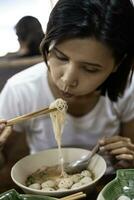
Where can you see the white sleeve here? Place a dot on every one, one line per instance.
(126, 104)
(9, 104)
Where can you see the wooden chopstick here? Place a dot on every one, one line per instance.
(7, 131)
(29, 116)
(77, 195)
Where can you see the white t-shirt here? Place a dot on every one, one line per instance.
(29, 91)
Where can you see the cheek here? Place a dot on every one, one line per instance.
(92, 82)
(55, 69)
(89, 85)
(55, 74)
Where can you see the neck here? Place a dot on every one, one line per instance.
(23, 49)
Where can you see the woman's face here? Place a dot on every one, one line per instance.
(79, 66)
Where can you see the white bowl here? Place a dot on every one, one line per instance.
(29, 164)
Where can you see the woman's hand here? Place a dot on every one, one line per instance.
(121, 148)
(5, 131)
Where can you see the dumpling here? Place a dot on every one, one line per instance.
(76, 185)
(86, 180)
(49, 183)
(86, 173)
(123, 197)
(36, 186)
(76, 178)
(65, 183)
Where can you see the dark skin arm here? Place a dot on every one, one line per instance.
(122, 146)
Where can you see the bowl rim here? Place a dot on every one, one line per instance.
(58, 192)
(37, 196)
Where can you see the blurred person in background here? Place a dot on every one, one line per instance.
(30, 34)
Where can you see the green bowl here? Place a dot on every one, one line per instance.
(36, 197)
(123, 184)
(13, 195)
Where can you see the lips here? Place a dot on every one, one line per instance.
(67, 95)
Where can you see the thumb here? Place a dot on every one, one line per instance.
(5, 134)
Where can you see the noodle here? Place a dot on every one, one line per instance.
(58, 121)
(47, 179)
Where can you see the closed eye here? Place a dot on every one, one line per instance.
(91, 69)
(59, 55)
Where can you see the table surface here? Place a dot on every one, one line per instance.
(92, 195)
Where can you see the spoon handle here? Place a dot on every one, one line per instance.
(93, 151)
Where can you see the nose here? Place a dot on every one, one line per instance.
(70, 77)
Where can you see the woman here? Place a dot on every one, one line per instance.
(88, 52)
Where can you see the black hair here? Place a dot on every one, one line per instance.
(29, 30)
(109, 21)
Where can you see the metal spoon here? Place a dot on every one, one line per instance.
(81, 164)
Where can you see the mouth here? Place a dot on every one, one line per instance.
(67, 94)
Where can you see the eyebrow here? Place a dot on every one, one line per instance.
(87, 63)
(60, 52)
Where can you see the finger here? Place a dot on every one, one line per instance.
(6, 132)
(3, 121)
(128, 157)
(126, 148)
(118, 144)
(123, 150)
(115, 145)
(108, 140)
(131, 147)
(2, 126)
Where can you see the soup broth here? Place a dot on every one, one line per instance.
(49, 179)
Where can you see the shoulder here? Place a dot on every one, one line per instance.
(125, 104)
(129, 90)
(29, 75)
(23, 91)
